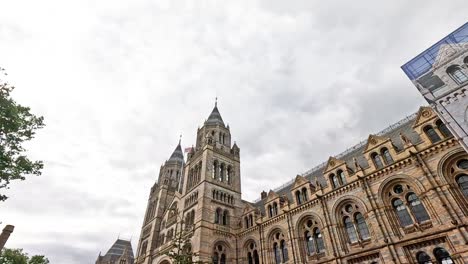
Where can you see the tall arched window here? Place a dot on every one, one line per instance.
(298, 197)
(222, 171)
(423, 258)
(442, 256)
(215, 169)
(304, 195)
(229, 174)
(403, 197)
(334, 181)
(251, 220)
(246, 221)
(431, 134)
(219, 254)
(443, 129)
(387, 156)
(225, 217)
(354, 223)
(218, 216)
(313, 241)
(417, 208)
(280, 249)
(275, 209)
(377, 161)
(402, 213)
(342, 177)
(457, 74)
(270, 211)
(252, 253)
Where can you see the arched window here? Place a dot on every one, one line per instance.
(251, 220)
(417, 208)
(215, 169)
(252, 254)
(402, 213)
(443, 129)
(362, 226)
(275, 209)
(457, 74)
(143, 248)
(284, 251)
(342, 177)
(270, 211)
(319, 240)
(229, 174)
(225, 217)
(298, 197)
(354, 223)
(219, 255)
(280, 249)
(377, 161)
(304, 195)
(423, 258)
(246, 220)
(334, 181)
(313, 241)
(462, 181)
(218, 216)
(442, 256)
(222, 171)
(387, 156)
(431, 134)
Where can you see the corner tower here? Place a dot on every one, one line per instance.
(213, 170)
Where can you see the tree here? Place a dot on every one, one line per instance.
(17, 125)
(17, 256)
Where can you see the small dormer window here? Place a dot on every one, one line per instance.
(299, 197)
(334, 181)
(341, 176)
(431, 134)
(377, 161)
(387, 156)
(456, 73)
(443, 129)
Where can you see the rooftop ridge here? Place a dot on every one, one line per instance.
(347, 151)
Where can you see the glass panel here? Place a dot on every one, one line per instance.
(249, 257)
(362, 226)
(350, 229)
(463, 164)
(319, 240)
(417, 207)
(443, 129)
(215, 258)
(457, 75)
(335, 181)
(342, 177)
(310, 245)
(277, 253)
(256, 258)
(463, 183)
(432, 134)
(284, 251)
(223, 259)
(403, 215)
(387, 157)
(377, 161)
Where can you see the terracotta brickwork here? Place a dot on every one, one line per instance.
(399, 198)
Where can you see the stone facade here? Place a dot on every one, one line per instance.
(399, 198)
(441, 75)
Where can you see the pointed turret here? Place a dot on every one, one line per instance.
(215, 117)
(177, 155)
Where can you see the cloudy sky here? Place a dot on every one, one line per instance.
(118, 81)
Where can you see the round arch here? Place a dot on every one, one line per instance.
(306, 215)
(342, 201)
(388, 182)
(445, 162)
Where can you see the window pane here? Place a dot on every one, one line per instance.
(362, 226)
(284, 251)
(403, 215)
(443, 129)
(387, 157)
(463, 183)
(310, 245)
(319, 240)
(277, 253)
(432, 134)
(463, 164)
(377, 161)
(417, 207)
(352, 235)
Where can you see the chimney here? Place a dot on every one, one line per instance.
(263, 195)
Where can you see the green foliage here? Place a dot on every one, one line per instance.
(17, 125)
(17, 256)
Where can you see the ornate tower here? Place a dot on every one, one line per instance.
(212, 175)
(160, 198)
(441, 75)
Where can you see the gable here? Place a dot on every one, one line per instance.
(445, 54)
(374, 141)
(299, 181)
(425, 113)
(333, 163)
(271, 195)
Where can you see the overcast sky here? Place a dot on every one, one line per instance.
(118, 81)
